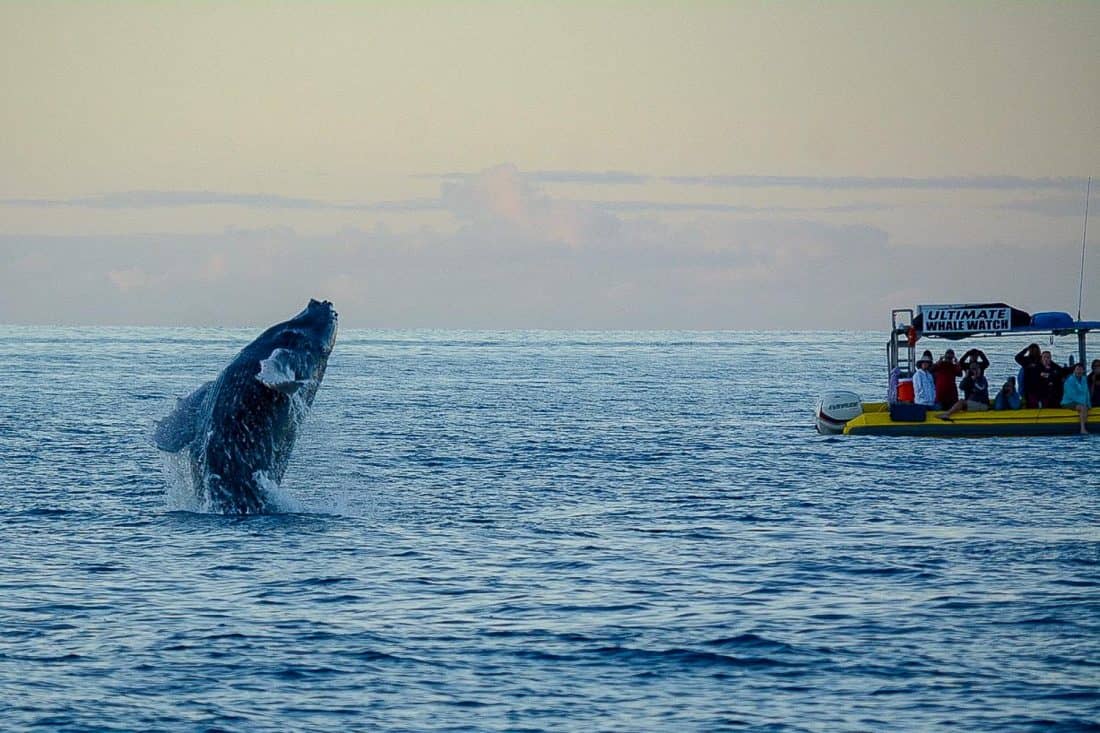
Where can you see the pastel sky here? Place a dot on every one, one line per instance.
(705, 165)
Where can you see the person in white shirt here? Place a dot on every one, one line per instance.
(924, 384)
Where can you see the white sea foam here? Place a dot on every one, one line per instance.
(281, 501)
(181, 494)
(299, 410)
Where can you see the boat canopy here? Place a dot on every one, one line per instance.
(959, 321)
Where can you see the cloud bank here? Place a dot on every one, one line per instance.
(519, 257)
(176, 199)
(881, 183)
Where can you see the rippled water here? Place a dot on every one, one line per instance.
(539, 531)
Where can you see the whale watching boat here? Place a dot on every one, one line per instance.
(845, 412)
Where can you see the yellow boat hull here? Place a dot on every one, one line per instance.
(875, 420)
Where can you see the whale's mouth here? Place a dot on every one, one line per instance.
(328, 336)
(319, 318)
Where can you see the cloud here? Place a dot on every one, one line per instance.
(884, 183)
(525, 186)
(502, 201)
(761, 273)
(130, 278)
(1049, 206)
(993, 183)
(519, 257)
(599, 177)
(520, 260)
(175, 199)
(680, 206)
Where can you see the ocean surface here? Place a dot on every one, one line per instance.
(538, 531)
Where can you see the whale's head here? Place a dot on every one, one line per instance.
(318, 323)
(295, 352)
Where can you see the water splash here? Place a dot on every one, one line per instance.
(181, 494)
(279, 499)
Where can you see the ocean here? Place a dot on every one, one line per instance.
(538, 531)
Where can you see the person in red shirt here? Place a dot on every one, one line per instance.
(945, 372)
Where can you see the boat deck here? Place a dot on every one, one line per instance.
(875, 420)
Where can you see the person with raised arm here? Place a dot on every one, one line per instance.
(975, 389)
(1030, 361)
(974, 356)
(945, 372)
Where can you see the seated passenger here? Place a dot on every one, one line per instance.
(945, 372)
(1094, 383)
(975, 392)
(1076, 395)
(1007, 398)
(924, 384)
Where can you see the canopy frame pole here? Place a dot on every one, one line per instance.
(1084, 239)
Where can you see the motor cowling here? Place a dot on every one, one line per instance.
(835, 409)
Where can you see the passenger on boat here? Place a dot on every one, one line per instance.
(1094, 383)
(1049, 379)
(1076, 394)
(924, 384)
(974, 356)
(975, 391)
(1030, 361)
(1008, 398)
(945, 372)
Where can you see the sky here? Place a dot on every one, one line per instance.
(500, 165)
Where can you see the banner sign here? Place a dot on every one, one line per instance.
(973, 318)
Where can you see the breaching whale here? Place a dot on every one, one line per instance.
(238, 430)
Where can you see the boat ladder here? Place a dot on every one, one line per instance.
(900, 352)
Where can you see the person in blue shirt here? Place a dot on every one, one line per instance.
(1075, 394)
(1008, 398)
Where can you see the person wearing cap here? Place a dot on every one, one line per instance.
(945, 372)
(924, 384)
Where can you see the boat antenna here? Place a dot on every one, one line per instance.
(1084, 238)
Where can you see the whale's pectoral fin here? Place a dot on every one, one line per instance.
(176, 431)
(277, 372)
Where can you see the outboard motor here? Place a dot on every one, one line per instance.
(835, 409)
